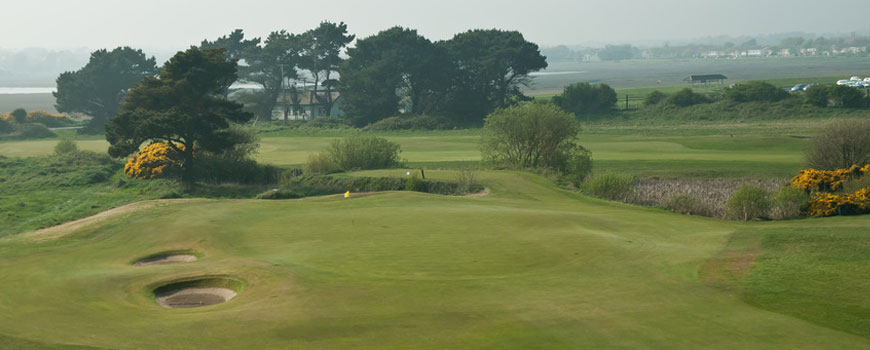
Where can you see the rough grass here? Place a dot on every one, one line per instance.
(711, 194)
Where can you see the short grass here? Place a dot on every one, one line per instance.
(760, 149)
(529, 266)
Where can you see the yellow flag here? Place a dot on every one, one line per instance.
(347, 194)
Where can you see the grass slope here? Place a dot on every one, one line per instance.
(527, 267)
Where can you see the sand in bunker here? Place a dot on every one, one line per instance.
(195, 297)
(166, 259)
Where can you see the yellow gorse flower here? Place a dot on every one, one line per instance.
(822, 182)
(154, 161)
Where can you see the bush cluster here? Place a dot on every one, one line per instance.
(418, 122)
(610, 186)
(585, 98)
(840, 145)
(355, 153)
(756, 91)
(748, 202)
(535, 136)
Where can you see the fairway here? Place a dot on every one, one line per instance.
(641, 152)
(529, 266)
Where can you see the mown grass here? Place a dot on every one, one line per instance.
(529, 266)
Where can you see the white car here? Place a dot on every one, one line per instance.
(842, 82)
(856, 78)
(866, 80)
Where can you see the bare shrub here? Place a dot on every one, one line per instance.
(789, 202)
(840, 145)
(465, 180)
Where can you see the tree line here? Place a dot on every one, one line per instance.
(394, 72)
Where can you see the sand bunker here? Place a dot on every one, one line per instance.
(163, 259)
(195, 297)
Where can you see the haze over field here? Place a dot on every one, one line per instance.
(165, 24)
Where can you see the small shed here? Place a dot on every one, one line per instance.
(706, 78)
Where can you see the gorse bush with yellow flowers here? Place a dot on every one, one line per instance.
(822, 185)
(157, 160)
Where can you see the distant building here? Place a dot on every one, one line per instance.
(707, 78)
(785, 52)
(308, 105)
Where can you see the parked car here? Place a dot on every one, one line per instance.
(856, 78)
(798, 87)
(809, 86)
(842, 82)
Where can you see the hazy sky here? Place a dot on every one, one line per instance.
(176, 24)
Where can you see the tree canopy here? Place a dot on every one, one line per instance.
(491, 66)
(584, 98)
(99, 87)
(182, 106)
(394, 71)
(321, 57)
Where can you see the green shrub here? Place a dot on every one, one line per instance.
(49, 119)
(278, 194)
(214, 169)
(755, 91)
(686, 97)
(610, 186)
(414, 183)
(65, 146)
(6, 126)
(530, 136)
(854, 184)
(789, 202)
(578, 167)
(748, 202)
(418, 122)
(847, 96)
(465, 180)
(585, 98)
(818, 95)
(31, 131)
(364, 152)
(320, 163)
(654, 98)
(19, 115)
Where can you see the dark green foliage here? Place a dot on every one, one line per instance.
(364, 152)
(654, 98)
(28, 131)
(686, 97)
(217, 169)
(5, 126)
(578, 165)
(319, 185)
(847, 96)
(755, 91)
(530, 136)
(321, 57)
(181, 106)
(99, 87)
(234, 46)
(19, 115)
(268, 66)
(584, 98)
(748, 202)
(392, 72)
(419, 122)
(818, 95)
(320, 163)
(65, 146)
(414, 183)
(609, 186)
(617, 53)
(840, 145)
(275, 194)
(489, 67)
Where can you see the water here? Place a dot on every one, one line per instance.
(27, 90)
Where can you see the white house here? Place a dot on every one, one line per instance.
(307, 106)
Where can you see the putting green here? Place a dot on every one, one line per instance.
(528, 266)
